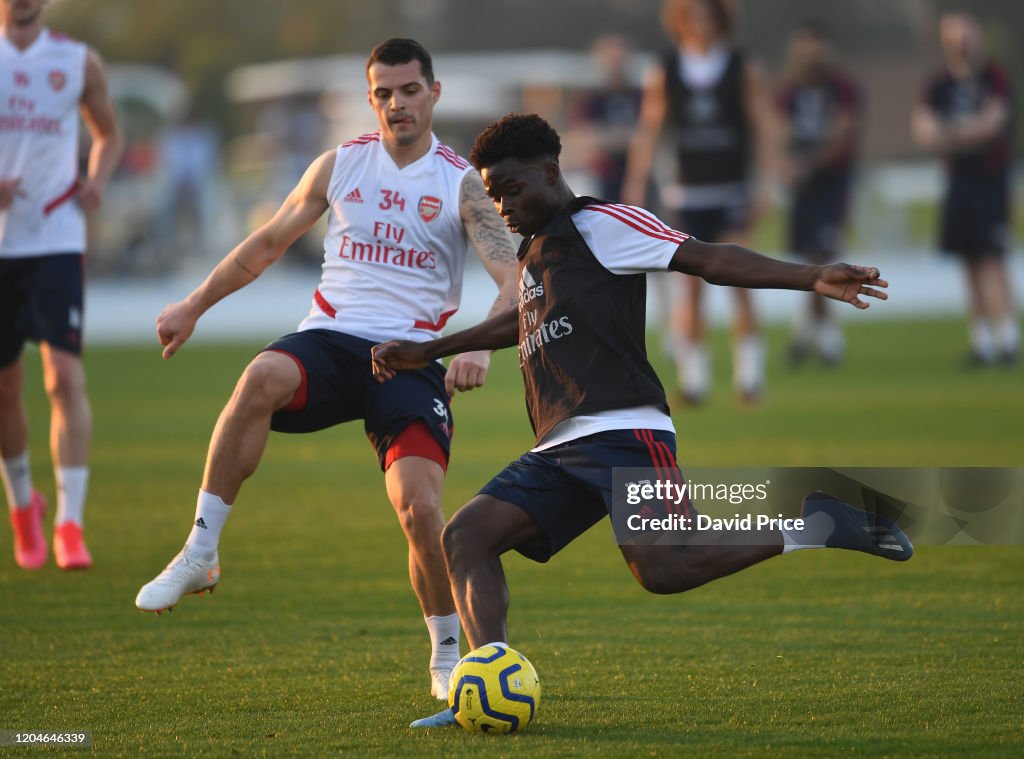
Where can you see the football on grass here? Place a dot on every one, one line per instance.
(494, 690)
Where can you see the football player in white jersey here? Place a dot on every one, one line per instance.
(403, 211)
(46, 81)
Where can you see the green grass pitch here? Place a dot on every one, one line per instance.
(313, 643)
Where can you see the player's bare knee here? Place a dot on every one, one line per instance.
(265, 386)
(64, 382)
(656, 581)
(662, 577)
(460, 539)
(421, 520)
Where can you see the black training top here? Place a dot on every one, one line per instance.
(952, 98)
(581, 329)
(712, 126)
(811, 109)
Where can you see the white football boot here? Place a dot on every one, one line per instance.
(439, 682)
(187, 573)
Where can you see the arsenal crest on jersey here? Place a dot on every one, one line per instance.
(429, 208)
(57, 80)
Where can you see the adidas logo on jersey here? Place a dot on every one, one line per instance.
(529, 288)
(354, 197)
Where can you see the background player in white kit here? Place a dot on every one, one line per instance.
(46, 80)
(402, 208)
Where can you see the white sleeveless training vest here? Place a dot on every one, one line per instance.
(40, 91)
(395, 246)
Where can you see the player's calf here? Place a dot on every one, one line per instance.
(668, 569)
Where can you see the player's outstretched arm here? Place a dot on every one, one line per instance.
(306, 203)
(494, 247)
(733, 265)
(501, 331)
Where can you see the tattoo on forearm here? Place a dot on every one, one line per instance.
(502, 304)
(485, 228)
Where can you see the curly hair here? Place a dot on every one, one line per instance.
(517, 135)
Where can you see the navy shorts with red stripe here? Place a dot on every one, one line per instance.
(567, 489)
(41, 299)
(338, 386)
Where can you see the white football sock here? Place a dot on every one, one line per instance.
(211, 513)
(817, 529)
(1007, 334)
(982, 340)
(17, 479)
(803, 328)
(72, 482)
(748, 364)
(831, 344)
(444, 640)
(693, 367)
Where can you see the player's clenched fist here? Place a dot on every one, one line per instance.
(467, 371)
(174, 326)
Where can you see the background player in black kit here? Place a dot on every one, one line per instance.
(593, 399)
(820, 109)
(710, 100)
(965, 115)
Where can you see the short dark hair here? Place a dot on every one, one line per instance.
(399, 50)
(518, 135)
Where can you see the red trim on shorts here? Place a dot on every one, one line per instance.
(298, 401)
(326, 307)
(416, 440)
(673, 469)
(439, 325)
(665, 467)
(63, 198)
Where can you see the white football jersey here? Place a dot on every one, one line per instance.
(40, 90)
(395, 246)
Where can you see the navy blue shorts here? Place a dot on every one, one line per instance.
(976, 217)
(816, 217)
(41, 300)
(567, 489)
(338, 386)
(712, 224)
